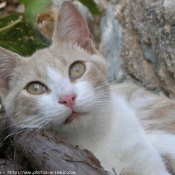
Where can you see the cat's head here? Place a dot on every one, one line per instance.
(62, 86)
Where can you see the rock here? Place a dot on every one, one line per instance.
(111, 43)
(134, 49)
(155, 20)
(147, 52)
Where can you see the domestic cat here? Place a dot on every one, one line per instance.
(64, 88)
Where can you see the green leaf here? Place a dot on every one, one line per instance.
(20, 38)
(91, 5)
(34, 7)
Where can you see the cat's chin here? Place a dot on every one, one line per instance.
(72, 117)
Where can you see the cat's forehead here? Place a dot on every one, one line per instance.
(53, 74)
(60, 56)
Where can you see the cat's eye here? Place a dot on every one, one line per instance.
(36, 88)
(76, 70)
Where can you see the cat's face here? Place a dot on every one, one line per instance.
(62, 86)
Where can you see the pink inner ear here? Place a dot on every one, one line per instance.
(71, 26)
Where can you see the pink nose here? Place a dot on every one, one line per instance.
(68, 100)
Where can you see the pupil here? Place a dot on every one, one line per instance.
(36, 87)
(76, 68)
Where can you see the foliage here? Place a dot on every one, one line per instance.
(17, 31)
(34, 7)
(18, 36)
(90, 4)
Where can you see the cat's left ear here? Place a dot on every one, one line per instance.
(72, 27)
(8, 62)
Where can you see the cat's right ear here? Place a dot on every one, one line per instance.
(71, 27)
(8, 62)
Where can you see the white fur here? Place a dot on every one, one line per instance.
(138, 156)
(165, 144)
(113, 134)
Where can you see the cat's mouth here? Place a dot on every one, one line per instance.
(72, 117)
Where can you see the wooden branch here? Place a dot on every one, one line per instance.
(47, 152)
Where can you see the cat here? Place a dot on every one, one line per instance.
(64, 88)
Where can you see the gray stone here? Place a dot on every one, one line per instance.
(111, 43)
(148, 52)
(156, 21)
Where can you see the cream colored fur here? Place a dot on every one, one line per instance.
(126, 127)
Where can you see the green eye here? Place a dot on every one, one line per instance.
(36, 88)
(76, 70)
